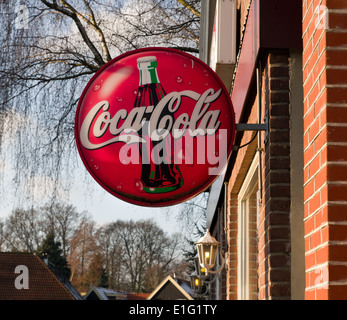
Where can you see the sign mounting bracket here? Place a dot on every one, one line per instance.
(256, 127)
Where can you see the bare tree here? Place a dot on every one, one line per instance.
(112, 251)
(83, 249)
(23, 230)
(63, 220)
(49, 50)
(143, 255)
(191, 214)
(2, 235)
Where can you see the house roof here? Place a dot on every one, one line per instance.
(170, 289)
(137, 296)
(42, 283)
(99, 293)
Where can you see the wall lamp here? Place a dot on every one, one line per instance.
(198, 278)
(207, 248)
(204, 262)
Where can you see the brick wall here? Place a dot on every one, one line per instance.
(325, 147)
(231, 289)
(269, 254)
(274, 218)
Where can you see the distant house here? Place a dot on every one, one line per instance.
(98, 293)
(24, 276)
(137, 296)
(171, 289)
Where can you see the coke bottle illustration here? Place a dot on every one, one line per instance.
(157, 176)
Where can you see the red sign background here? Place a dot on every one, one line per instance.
(198, 158)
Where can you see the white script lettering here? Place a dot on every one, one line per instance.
(123, 126)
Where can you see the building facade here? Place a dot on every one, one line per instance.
(280, 209)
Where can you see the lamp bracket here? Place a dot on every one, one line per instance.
(223, 264)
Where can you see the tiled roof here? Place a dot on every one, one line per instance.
(104, 294)
(137, 296)
(42, 283)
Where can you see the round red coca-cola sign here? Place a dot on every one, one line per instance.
(155, 126)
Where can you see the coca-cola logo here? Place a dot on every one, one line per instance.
(155, 127)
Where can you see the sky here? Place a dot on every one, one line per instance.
(105, 207)
(87, 195)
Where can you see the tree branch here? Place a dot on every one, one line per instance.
(72, 13)
(189, 7)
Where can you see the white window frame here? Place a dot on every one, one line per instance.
(248, 185)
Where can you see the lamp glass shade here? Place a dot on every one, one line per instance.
(201, 271)
(207, 247)
(195, 282)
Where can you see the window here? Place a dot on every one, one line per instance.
(248, 211)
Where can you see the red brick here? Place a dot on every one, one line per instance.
(321, 178)
(322, 293)
(321, 218)
(310, 294)
(309, 189)
(318, 36)
(314, 165)
(314, 129)
(336, 4)
(307, 244)
(337, 153)
(318, 276)
(309, 118)
(336, 76)
(325, 234)
(320, 65)
(314, 93)
(337, 173)
(336, 114)
(307, 18)
(310, 225)
(337, 272)
(337, 292)
(336, 57)
(324, 194)
(279, 191)
(324, 154)
(337, 134)
(337, 94)
(279, 71)
(338, 252)
(321, 101)
(322, 254)
(338, 232)
(315, 239)
(337, 192)
(310, 260)
(338, 20)
(321, 139)
(337, 212)
(307, 209)
(336, 39)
